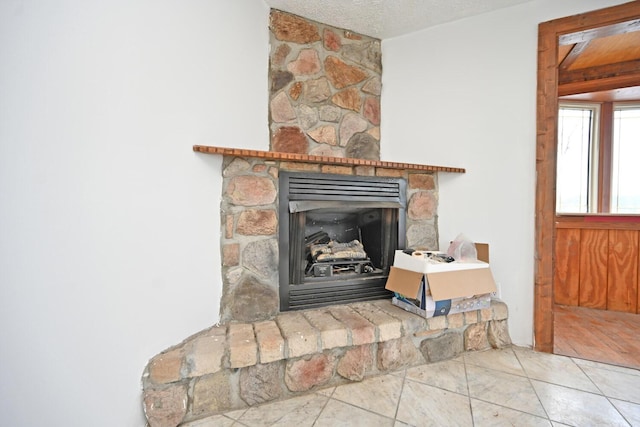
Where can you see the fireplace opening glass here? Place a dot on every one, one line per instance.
(337, 238)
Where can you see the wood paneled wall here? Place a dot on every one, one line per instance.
(597, 265)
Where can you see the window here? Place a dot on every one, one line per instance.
(576, 182)
(625, 168)
(598, 172)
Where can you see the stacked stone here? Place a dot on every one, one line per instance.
(422, 209)
(325, 86)
(250, 255)
(245, 364)
(249, 241)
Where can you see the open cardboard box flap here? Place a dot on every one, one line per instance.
(462, 283)
(404, 282)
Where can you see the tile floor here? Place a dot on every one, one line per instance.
(509, 387)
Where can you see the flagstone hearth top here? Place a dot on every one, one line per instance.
(305, 158)
(236, 366)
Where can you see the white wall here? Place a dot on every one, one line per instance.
(464, 94)
(109, 223)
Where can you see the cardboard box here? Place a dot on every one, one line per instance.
(435, 288)
(442, 308)
(483, 252)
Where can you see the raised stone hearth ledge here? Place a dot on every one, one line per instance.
(239, 365)
(304, 158)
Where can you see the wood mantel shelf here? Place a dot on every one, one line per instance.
(304, 158)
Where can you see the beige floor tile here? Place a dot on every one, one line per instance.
(504, 389)
(514, 386)
(554, 369)
(617, 384)
(215, 421)
(630, 411)
(448, 375)
(575, 407)
(338, 413)
(298, 411)
(490, 415)
(326, 391)
(401, 373)
(500, 360)
(378, 394)
(423, 405)
(606, 366)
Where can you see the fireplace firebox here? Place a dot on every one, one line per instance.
(338, 234)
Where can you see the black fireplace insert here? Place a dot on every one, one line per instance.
(338, 234)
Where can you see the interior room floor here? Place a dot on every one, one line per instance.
(599, 335)
(509, 387)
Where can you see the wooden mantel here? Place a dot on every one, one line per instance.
(304, 158)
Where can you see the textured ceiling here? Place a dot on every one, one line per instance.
(388, 18)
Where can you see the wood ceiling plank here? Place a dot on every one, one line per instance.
(563, 51)
(609, 50)
(573, 55)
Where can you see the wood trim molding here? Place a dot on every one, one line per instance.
(604, 161)
(599, 222)
(604, 77)
(547, 118)
(547, 121)
(304, 158)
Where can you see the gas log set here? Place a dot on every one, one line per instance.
(326, 257)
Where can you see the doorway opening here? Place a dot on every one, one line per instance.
(605, 274)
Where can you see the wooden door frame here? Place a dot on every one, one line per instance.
(547, 123)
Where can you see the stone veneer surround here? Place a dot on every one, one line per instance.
(325, 85)
(250, 228)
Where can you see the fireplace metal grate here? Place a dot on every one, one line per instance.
(307, 198)
(303, 297)
(360, 189)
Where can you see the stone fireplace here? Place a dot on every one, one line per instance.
(291, 321)
(324, 116)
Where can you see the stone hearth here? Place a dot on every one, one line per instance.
(258, 354)
(238, 365)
